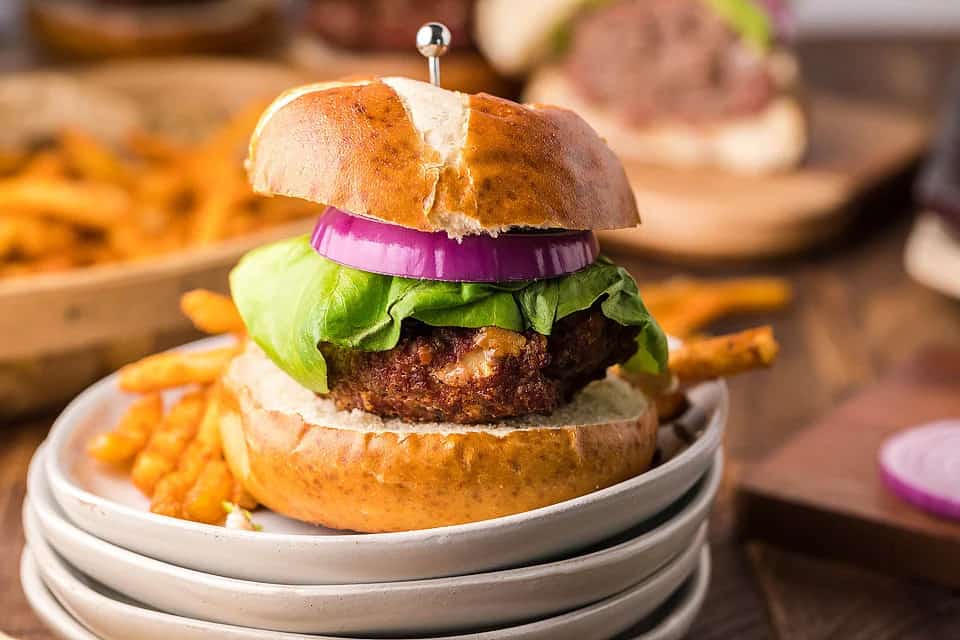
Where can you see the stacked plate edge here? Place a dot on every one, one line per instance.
(593, 567)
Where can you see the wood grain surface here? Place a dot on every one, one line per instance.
(705, 213)
(826, 479)
(856, 316)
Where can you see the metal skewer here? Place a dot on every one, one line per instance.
(433, 40)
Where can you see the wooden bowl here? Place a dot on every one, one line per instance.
(58, 332)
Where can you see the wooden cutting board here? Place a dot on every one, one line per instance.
(706, 213)
(821, 492)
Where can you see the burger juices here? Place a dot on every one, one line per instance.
(437, 351)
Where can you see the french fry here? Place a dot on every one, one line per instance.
(86, 156)
(168, 441)
(216, 205)
(723, 356)
(32, 238)
(86, 204)
(154, 196)
(211, 312)
(48, 163)
(11, 160)
(671, 404)
(204, 501)
(175, 369)
(131, 434)
(241, 497)
(168, 497)
(684, 306)
(155, 148)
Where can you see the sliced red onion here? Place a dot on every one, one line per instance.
(379, 247)
(922, 466)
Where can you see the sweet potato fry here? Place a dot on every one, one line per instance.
(87, 204)
(168, 441)
(211, 312)
(48, 163)
(131, 434)
(92, 160)
(204, 501)
(175, 369)
(11, 160)
(32, 237)
(241, 497)
(724, 355)
(167, 499)
(171, 490)
(156, 195)
(156, 148)
(215, 206)
(684, 306)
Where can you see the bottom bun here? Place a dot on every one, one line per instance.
(301, 457)
(771, 140)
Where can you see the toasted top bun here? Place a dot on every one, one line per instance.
(300, 456)
(518, 36)
(416, 155)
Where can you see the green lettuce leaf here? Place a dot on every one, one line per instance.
(292, 299)
(748, 19)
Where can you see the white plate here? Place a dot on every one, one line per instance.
(671, 622)
(111, 616)
(109, 507)
(45, 605)
(442, 605)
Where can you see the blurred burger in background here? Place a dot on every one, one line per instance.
(672, 82)
(113, 28)
(372, 37)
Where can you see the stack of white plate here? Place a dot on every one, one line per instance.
(629, 561)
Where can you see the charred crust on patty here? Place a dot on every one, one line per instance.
(472, 376)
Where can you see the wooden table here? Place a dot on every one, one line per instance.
(856, 314)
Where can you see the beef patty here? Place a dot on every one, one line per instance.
(387, 25)
(649, 59)
(450, 374)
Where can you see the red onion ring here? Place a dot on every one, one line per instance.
(922, 466)
(389, 249)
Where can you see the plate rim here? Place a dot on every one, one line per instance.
(677, 621)
(697, 511)
(61, 484)
(55, 569)
(45, 605)
(37, 536)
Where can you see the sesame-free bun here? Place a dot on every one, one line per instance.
(416, 155)
(773, 139)
(301, 457)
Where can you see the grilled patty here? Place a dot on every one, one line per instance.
(387, 25)
(450, 374)
(648, 59)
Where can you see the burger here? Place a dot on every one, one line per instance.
(359, 37)
(672, 82)
(437, 351)
(103, 28)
